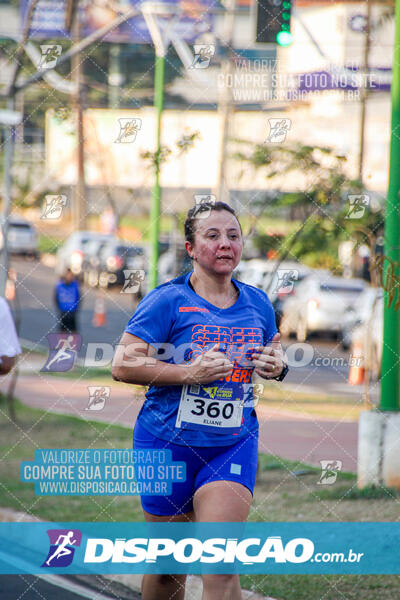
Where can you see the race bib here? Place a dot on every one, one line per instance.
(202, 407)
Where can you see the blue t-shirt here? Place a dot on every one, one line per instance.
(181, 325)
(67, 295)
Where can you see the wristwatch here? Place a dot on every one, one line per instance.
(282, 376)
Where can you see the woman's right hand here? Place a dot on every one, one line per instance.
(208, 367)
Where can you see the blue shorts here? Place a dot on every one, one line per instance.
(221, 463)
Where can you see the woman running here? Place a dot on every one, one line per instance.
(211, 332)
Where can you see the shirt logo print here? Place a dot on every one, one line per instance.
(238, 340)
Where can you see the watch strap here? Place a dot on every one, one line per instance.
(282, 376)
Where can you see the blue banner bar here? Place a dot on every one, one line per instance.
(247, 548)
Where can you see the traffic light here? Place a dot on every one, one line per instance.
(273, 22)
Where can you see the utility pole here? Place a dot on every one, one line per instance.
(378, 439)
(80, 190)
(159, 78)
(161, 40)
(115, 77)
(390, 380)
(225, 101)
(364, 90)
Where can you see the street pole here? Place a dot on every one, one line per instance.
(7, 200)
(159, 76)
(364, 91)
(80, 192)
(115, 77)
(161, 39)
(225, 107)
(390, 380)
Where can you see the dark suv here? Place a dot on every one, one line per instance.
(115, 257)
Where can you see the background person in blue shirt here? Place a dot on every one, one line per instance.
(67, 298)
(210, 333)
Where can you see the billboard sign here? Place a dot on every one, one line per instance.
(116, 141)
(48, 19)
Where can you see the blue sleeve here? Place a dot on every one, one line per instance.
(56, 294)
(153, 317)
(77, 292)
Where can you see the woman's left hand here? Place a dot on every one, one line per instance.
(269, 359)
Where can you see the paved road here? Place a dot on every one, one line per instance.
(327, 372)
(36, 284)
(30, 587)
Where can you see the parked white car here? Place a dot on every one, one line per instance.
(370, 335)
(319, 304)
(268, 275)
(359, 313)
(73, 252)
(252, 271)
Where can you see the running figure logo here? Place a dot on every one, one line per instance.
(128, 129)
(133, 279)
(278, 130)
(97, 397)
(286, 279)
(63, 350)
(250, 400)
(53, 207)
(203, 54)
(357, 205)
(203, 204)
(330, 470)
(62, 547)
(50, 54)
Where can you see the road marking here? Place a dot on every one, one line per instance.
(75, 588)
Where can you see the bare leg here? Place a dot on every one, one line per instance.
(164, 587)
(222, 501)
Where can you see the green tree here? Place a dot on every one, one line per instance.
(321, 207)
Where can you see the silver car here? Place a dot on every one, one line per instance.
(72, 253)
(359, 313)
(22, 237)
(318, 305)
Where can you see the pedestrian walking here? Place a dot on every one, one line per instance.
(67, 299)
